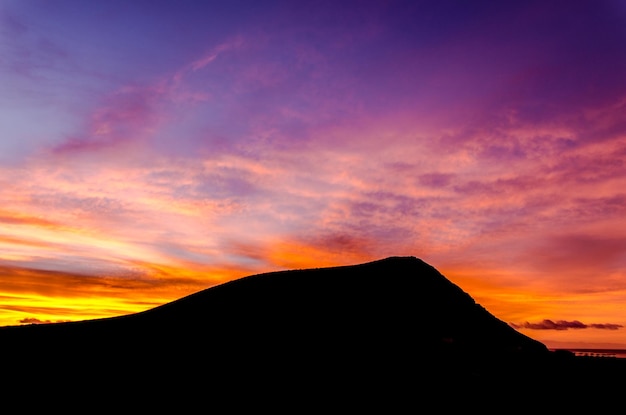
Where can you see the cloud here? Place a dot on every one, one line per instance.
(606, 326)
(435, 179)
(137, 114)
(211, 56)
(126, 116)
(53, 296)
(33, 320)
(564, 325)
(591, 259)
(16, 218)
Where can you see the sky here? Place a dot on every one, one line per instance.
(152, 149)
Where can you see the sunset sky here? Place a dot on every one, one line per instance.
(151, 149)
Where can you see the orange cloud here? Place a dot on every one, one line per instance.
(54, 296)
(14, 218)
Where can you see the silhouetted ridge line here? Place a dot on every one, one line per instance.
(375, 325)
(399, 301)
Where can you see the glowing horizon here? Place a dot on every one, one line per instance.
(153, 149)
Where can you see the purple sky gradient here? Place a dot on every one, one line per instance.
(166, 146)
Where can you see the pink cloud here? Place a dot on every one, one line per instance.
(203, 61)
(436, 179)
(572, 256)
(127, 116)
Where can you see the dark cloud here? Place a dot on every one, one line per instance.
(563, 325)
(608, 326)
(33, 320)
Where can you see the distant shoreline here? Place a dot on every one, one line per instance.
(613, 353)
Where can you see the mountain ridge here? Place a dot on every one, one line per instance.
(384, 327)
(398, 290)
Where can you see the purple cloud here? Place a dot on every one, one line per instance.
(435, 179)
(127, 116)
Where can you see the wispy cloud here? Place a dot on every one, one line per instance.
(129, 115)
(211, 56)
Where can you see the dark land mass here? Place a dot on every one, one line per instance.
(393, 332)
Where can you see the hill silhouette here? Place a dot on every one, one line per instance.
(395, 329)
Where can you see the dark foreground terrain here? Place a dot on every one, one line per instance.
(393, 333)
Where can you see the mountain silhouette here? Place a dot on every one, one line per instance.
(394, 328)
